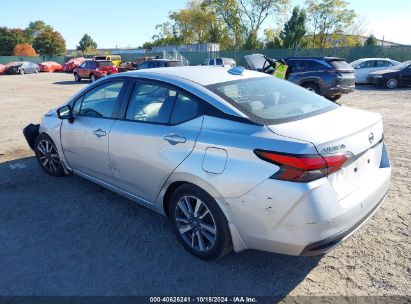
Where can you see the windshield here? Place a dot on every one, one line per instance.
(268, 100)
(340, 65)
(402, 66)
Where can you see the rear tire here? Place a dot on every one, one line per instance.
(391, 83)
(21, 71)
(199, 223)
(47, 155)
(93, 78)
(36, 71)
(312, 87)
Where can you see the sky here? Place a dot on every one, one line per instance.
(130, 23)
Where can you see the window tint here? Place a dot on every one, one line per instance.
(184, 109)
(205, 62)
(382, 63)
(211, 62)
(219, 61)
(340, 65)
(144, 65)
(151, 103)
(100, 101)
(173, 64)
(313, 65)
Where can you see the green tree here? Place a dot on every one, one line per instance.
(371, 40)
(294, 30)
(86, 43)
(327, 17)
(9, 38)
(252, 42)
(49, 42)
(35, 28)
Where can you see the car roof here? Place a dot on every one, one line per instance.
(203, 75)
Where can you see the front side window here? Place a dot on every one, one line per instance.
(151, 103)
(268, 100)
(219, 61)
(100, 101)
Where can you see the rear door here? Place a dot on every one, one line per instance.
(85, 140)
(406, 76)
(159, 130)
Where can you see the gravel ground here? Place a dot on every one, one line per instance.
(67, 236)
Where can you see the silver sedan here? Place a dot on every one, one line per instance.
(235, 158)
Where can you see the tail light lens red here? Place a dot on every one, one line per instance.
(301, 167)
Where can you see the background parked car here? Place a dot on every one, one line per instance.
(399, 75)
(70, 65)
(50, 66)
(159, 63)
(22, 67)
(94, 69)
(224, 62)
(115, 59)
(327, 76)
(365, 66)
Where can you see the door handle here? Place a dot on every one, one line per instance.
(99, 132)
(174, 139)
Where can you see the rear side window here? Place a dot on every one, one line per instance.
(219, 61)
(267, 100)
(100, 101)
(151, 103)
(340, 65)
(366, 64)
(184, 109)
(382, 63)
(173, 64)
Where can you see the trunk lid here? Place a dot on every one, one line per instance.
(343, 130)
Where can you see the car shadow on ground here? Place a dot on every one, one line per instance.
(68, 236)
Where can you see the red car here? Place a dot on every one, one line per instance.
(2, 69)
(94, 69)
(70, 65)
(50, 66)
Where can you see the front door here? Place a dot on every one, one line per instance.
(406, 76)
(85, 140)
(159, 131)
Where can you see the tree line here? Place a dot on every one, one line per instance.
(40, 38)
(237, 24)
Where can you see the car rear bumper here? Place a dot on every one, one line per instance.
(338, 90)
(305, 218)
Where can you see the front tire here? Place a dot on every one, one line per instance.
(77, 78)
(36, 71)
(391, 83)
(47, 155)
(21, 71)
(199, 223)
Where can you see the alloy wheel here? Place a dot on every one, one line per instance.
(195, 223)
(392, 83)
(48, 156)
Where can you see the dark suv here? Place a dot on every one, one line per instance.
(159, 63)
(327, 76)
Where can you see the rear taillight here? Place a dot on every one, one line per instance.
(301, 167)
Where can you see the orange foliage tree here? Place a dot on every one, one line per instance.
(24, 49)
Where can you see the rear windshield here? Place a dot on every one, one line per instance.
(105, 63)
(340, 65)
(174, 63)
(268, 100)
(100, 57)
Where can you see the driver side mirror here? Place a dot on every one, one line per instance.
(66, 112)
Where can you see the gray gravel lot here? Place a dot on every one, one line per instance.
(67, 236)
